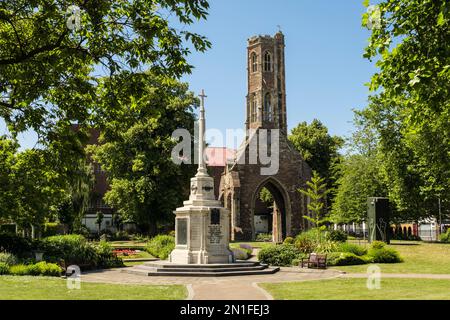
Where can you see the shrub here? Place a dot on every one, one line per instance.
(4, 268)
(344, 259)
(44, 269)
(307, 241)
(384, 255)
(289, 240)
(18, 270)
(240, 254)
(337, 235)
(39, 269)
(15, 244)
(445, 237)
(279, 255)
(352, 248)
(106, 257)
(161, 246)
(326, 246)
(73, 249)
(52, 229)
(264, 237)
(8, 258)
(377, 245)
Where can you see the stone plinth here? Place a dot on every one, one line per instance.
(202, 235)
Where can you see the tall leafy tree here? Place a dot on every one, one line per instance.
(53, 53)
(136, 144)
(410, 107)
(319, 149)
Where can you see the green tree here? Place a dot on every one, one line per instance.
(316, 191)
(50, 68)
(8, 200)
(136, 144)
(410, 105)
(320, 150)
(266, 197)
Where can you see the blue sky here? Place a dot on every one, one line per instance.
(325, 70)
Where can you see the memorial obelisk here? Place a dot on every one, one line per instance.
(202, 225)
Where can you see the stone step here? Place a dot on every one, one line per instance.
(143, 272)
(187, 269)
(238, 264)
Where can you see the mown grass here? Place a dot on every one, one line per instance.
(356, 289)
(47, 288)
(419, 257)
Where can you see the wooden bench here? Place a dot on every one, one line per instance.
(314, 260)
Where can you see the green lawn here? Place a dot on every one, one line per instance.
(356, 289)
(419, 257)
(46, 288)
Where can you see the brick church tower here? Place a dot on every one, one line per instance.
(242, 181)
(266, 99)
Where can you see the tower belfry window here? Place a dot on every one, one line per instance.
(254, 108)
(267, 61)
(267, 107)
(254, 60)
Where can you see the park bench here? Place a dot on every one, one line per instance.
(314, 260)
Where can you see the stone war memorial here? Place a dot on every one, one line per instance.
(202, 231)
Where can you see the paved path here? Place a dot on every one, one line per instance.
(215, 288)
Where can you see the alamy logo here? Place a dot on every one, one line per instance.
(74, 277)
(374, 277)
(263, 147)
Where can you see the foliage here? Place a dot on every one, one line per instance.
(307, 241)
(325, 246)
(352, 248)
(51, 229)
(337, 236)
(136, 147)
(39, 269)
(279, 255)
(15, 244)
(44, 269)
(377, 245)
(409, 108)
(360, 179)
(266, 197)
(316, 192)
(384, 255)
(264, 237)
(47, 69)
(344, 259)
(4, 268)
(19, 270)
(319, 149)
(106, 257)
(8, 258)
(445, 237)
(73, 249)
(161, 246)
(289, 240)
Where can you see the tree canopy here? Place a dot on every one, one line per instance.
(410, 105)
(53, 53)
